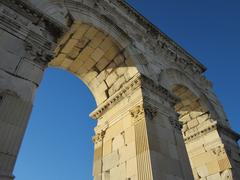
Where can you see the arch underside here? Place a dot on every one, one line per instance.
(93, 56)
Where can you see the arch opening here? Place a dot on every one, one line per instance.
(192, 114)
(60, 131)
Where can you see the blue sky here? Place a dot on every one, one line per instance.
(57, 144)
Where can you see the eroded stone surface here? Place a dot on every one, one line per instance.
(157, 116)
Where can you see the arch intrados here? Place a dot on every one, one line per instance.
(173, 77)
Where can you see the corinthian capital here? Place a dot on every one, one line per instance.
(38, 54)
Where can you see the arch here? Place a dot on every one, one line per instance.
(96, 58)
(169, 78)
(131, 103)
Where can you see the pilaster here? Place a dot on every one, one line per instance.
(139, 136)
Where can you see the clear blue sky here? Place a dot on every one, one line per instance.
(57, 144)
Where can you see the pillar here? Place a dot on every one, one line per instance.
(22, 64)
(138, 135)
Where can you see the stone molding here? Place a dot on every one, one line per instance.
(35, 16)
(215, 126)
(127, 89)
(162, 39)
(139, 81)
(203, 132)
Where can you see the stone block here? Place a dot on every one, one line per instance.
(121, 70)
(120, 82)
(193, 123)
(9, 61)
(119, 59)
(102, 63)
(80, 31)
(214, 177)
(30, 71)
(107, 147)
(127, 152)
(106, 44)
(112, 52)
(69, 46)
(66, 63)
(202, 171)
(90, 76)
(57, 61)
(91, 32)
(132, 167)
(97, 40)
(118, 142)
(97, 54)
(213, 167)
(129, 135)
(111, 79)
(112, 66)
(110, 161)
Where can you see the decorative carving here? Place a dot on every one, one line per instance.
(160, 40)
(38, 54)
(127, 89)
(137, 113)
(26, 10)
(150, 111)
(99, 137)
(176, 124)
(218, 151)
(138, 81)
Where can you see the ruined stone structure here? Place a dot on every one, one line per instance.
(157, 116)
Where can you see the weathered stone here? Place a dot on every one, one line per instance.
(142, 81)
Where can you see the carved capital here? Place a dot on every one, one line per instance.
(137, 113)
(218, 151)
(176, 124)
(99, 137)
(150, 112)
(38, 54)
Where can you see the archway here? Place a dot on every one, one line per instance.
(201, 121)
(123, 59)
(59, 134)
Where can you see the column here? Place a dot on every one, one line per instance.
(22, 63)
(138, 135)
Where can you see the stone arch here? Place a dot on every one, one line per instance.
(169, 78)
(130, 104)
(96, 58)
(200, 123)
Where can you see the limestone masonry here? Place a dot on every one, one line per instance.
(157, 115)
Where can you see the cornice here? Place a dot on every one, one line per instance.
(35, 16)
(127, 89)
(138, 81)
(215, 126)
(167, 41)
(203, 132)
